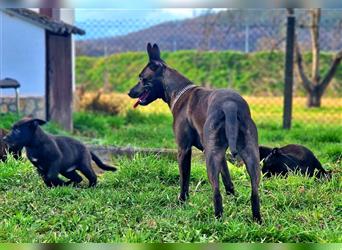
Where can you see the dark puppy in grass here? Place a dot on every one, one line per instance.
(5, 149)
(292, 157)
(54, 155)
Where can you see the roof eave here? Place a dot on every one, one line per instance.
(70, 29)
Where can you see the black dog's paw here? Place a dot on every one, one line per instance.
(257, 219)
(219, 215)
(182, 198)
(72, 184)
(68, 183)
(234, 154)
(230, 191)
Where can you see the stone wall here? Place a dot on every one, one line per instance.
(34, 106)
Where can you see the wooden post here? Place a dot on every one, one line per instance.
(17, 102)
(54, 13)
(51, 9)
(59, 80)
(290, 42)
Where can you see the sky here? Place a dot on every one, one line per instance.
(116, 14)
(147, 4)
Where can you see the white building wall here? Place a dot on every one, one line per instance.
(22, 55)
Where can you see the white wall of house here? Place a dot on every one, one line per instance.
(22, 55)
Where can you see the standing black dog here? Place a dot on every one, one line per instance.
(292, 157)
(54, 155)
(210, 120)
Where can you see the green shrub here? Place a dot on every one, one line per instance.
(92, 124)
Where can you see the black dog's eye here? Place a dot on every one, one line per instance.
(143, 81)
(16, 131)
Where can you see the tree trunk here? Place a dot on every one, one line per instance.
(314, 98)
(315, 23)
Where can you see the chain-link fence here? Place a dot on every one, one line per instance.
(240, 49)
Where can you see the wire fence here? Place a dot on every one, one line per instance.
(240, 49)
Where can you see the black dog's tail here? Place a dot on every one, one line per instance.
(232, 126)
(99, 163)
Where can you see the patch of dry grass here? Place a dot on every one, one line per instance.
(262, 108)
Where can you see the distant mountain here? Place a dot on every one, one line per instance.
(240, 30)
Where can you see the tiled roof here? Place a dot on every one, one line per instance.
(52, 25)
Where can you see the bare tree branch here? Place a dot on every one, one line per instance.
(277, 44)
(315, 86)
(299, 59)
(332, 70)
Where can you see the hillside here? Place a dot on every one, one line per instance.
(220, 31)
(225, 30)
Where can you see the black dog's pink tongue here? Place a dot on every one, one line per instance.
(136, 104)
(141, 98)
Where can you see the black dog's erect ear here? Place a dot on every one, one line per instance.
(156, 52)
(153, 52)
(149, 51)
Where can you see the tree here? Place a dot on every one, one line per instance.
(316, 86)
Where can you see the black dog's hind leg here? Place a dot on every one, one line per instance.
(249, 152)
(227, 181)
(184, 162)
(87, 171)
(73, 176)
(214, 154)
(213, 170)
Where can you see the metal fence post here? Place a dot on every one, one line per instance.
(246, 31)
(289, 55)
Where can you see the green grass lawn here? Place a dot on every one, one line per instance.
(139, 202)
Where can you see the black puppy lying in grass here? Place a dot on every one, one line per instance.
(54, 155)
(292, 157)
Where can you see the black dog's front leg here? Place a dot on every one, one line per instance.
(184, 162)
(52, 179)
(74, 177)
(42, 174)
